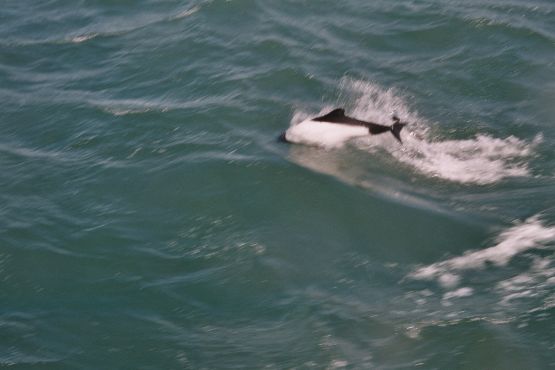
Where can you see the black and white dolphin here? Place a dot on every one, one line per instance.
(337, 127)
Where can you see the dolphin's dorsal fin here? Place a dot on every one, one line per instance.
(336, 115)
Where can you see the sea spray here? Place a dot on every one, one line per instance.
(482, 159)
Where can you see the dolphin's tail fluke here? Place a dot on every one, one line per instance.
(396, 128)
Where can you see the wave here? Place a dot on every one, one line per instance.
(530, 234)
(82, 38)
(482, 159)
(117, 26)
(186, 13)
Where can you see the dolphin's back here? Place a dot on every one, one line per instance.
(338, 116)
(335, 116)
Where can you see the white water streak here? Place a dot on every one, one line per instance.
(520, 238)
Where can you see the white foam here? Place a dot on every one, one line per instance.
(513, 241)
(124, 112)
(459, 293)
(338, 364)
(538, 281)
(188, 12)
(482, 159)
(83, 38)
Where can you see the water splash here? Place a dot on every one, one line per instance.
(481, 160)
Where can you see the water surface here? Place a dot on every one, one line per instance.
(150, 219)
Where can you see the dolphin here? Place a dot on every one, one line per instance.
(336, 119)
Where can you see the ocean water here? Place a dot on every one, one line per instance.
(149, 218)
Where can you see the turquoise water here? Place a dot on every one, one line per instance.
(151, 220)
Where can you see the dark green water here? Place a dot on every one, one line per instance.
(149, 219)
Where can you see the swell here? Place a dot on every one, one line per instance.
(87, 24)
